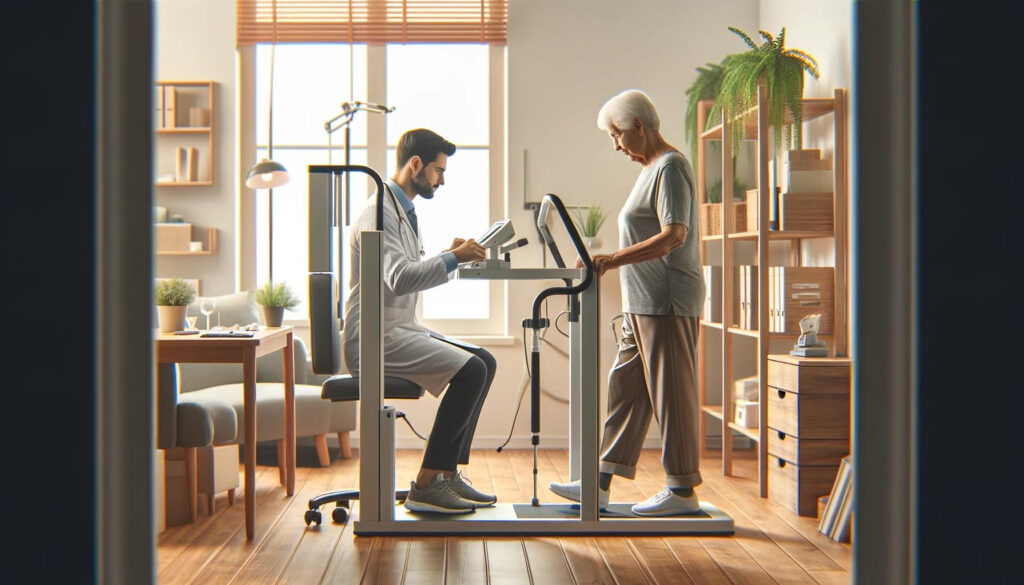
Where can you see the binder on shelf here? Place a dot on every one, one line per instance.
(804, 290)
(193, 164)
(170, 106)
(713, 293)
(159, 106)
(181, 165)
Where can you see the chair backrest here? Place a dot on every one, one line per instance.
(325, 323)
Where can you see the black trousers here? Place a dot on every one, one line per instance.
(452, 434)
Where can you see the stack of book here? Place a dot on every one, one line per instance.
(835, 520)
(806, 201)
(186, 169)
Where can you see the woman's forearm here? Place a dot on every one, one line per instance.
(671, 237)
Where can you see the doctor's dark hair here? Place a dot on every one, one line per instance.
(423, 143)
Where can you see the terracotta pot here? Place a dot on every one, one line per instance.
(273, 316)
(171, 318)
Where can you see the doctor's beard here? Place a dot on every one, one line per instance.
(422, 187)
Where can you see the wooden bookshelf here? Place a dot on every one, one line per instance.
(184, 118)
(756, 129)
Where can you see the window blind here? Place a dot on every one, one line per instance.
(371, 21)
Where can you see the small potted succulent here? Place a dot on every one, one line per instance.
(172, 297)
(274, 298)
(589, 221)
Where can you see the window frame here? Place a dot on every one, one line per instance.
(495, 327)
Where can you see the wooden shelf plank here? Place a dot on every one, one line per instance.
(710, 324)
(781, 235)
(749, 433)
(183, 183)
(813, 108)
(713, 409)
(184, 130)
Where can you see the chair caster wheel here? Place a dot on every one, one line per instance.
(313, 516)
(339, 515)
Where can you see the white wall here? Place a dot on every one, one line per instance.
(195, 41)
(565, 58)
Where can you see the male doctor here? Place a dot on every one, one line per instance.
(410, 349)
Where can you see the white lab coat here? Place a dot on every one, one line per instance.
(409, 351)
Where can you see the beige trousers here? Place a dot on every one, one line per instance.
(655, 374)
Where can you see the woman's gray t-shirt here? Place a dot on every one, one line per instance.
(673, 284)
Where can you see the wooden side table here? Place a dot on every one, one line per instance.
(172, 348)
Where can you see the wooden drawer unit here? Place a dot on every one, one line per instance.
(808, 428)
(798, 486)
(807, 451)
(809, 416)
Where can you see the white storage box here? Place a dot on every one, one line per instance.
(745, 388)
(746, 413)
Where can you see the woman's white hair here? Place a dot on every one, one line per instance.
(622, 109)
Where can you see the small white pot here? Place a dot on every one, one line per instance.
(593, 242)
(171, 318)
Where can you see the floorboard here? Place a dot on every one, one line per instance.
(771, 544)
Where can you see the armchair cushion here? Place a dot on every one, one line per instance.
(206, 422)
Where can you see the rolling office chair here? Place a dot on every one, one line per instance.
(325, 338)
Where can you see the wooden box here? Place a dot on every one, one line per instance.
(172, 237)
(798, 487)
(806, 212)
(711, 218)
(752, 208)
(798, 291)
(217, 468)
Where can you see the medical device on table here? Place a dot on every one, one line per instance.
(377, 495)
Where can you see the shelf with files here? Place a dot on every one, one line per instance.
(727, 329)
(184, 128)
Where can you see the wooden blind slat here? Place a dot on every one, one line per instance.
(371, 21)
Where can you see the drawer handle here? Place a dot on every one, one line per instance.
(782, 462)
(782, 393)
(782, 435)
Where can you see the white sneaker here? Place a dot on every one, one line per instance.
(571, 491)
(667, 503)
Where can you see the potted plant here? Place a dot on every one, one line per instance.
(173, 296)
(274, 298)
(706, 86)
(589, 221)
(781, 71)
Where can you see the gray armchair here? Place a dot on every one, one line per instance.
(222, 383)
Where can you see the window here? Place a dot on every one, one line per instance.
(444, 87)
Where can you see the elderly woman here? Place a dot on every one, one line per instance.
(662, 298)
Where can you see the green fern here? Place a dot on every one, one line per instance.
(706, 86)
(783, 74)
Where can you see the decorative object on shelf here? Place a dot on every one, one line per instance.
(172, 297)
(781, 70)
(706, 86)
(274, 298)
(589, 221)
(184, 133)
(807, 345)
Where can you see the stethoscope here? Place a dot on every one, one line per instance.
(402, 221)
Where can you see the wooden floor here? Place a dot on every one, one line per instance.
(771, 544)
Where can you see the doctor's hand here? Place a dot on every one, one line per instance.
(602, 263)
(466, 250)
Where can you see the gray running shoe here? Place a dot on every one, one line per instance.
(462, 486)
(438, 497)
